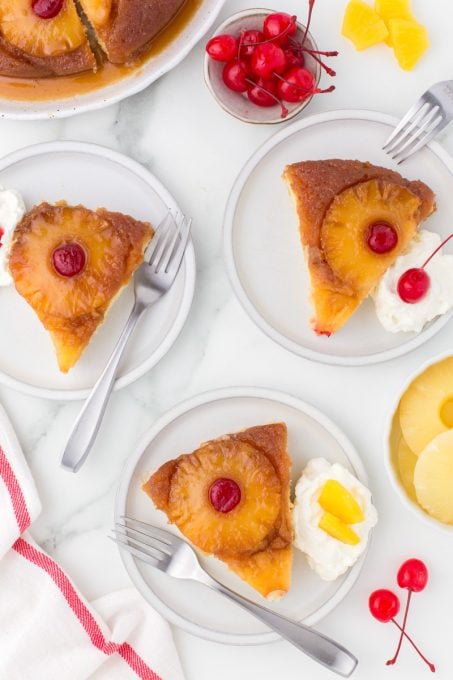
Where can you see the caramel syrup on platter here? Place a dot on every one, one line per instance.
(48, 89)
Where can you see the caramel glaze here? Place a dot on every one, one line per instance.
(48, 89)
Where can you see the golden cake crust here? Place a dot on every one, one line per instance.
(72, 308)
(131, 26)
(265, 565)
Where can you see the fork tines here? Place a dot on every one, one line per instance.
(423, 120)
(150, 544)
(166, 249)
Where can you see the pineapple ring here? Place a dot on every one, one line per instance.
(345, 228)
(21, 27)
(433, 478)
(243, 529)
(36, 238)
(424, 405)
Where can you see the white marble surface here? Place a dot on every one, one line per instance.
(177, 131)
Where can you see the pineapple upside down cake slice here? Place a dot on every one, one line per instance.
(70, 263)
(355, 219)
(230, 498)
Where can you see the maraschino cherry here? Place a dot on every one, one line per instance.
(382, 238)
(2, 233)
(414, 284)
(384, 605)
(47, 9)
(413, 576)
(279, 26)
(222, 47)
(268, 59)
(235, 75)
(224, 494)
(69, 259)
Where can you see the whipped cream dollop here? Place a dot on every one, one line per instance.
(328, 556)
(395, 314)
(12, 210)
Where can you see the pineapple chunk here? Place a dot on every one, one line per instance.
(433, 478)
(393, 9)
(338, 529)
(340, 502)
(406, 461)
(425, 407)
(362, 25)
(410, 41)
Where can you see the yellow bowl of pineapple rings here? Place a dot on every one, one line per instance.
(420, 443)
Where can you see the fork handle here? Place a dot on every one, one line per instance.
(319, 647)
(87, 425)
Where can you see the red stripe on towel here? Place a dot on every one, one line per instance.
(48, 565)
(82, 612)
(15, 492)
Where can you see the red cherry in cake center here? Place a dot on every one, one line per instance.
(224, 494)
(382, 237)
(47, 9)
(69, 259)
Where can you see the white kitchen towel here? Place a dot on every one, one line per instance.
(47, 629)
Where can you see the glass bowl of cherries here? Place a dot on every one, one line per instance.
(263, 66)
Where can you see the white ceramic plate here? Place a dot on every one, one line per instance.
(264, 258)
(96, 177)
(138, 80)
(190, 605)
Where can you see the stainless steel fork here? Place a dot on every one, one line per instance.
(429, 115)
(162, 261)
(168, 553)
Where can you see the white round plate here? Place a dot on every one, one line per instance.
(190, 605)
(95, 177)
(138, 80)
(263, 254)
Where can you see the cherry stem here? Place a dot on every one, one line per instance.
(310, 12)
(284, 110)
(297, 45)
(436, 251)
(430, 665)
(392, 661)
(326, 68)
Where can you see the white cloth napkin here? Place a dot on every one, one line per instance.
(47, 630)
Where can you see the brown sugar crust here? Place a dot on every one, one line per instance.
(16, 63)
(132, 25)
(71, 309)
(265, 565)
